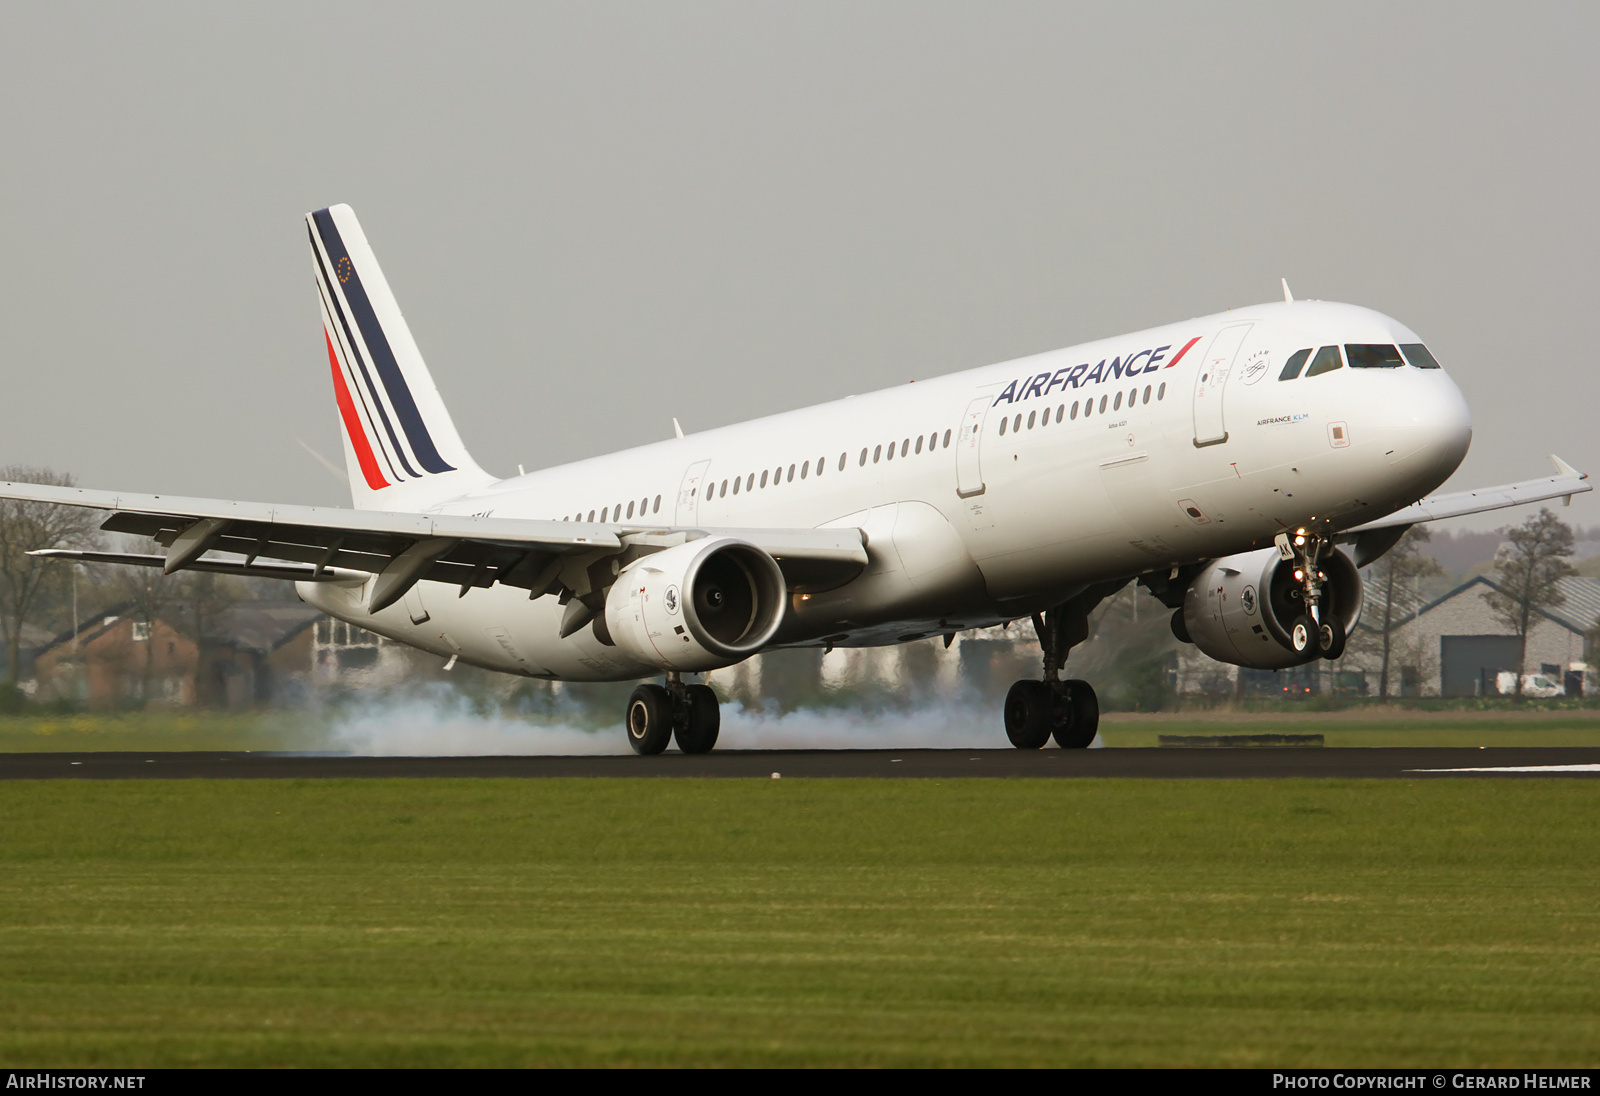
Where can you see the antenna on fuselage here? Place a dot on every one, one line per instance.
(676, 429)
(1288, 298)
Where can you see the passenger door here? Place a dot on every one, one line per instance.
(1211, 382)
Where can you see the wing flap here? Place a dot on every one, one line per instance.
(471, 551)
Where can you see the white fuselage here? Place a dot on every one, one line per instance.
(1186, 458)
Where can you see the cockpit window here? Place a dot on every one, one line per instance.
(1326, 361)
(1296, 362)
(1373, 356)
(1418, 355)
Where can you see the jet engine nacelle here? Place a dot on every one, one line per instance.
(1240, 608)
(700, 606)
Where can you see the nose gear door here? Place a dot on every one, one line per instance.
(1209, 385)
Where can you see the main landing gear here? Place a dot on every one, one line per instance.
(1320, 624)
(1068, 711)
(657, 714)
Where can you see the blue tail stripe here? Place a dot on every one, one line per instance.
(366, 377)
(371, 409)
(405, 405)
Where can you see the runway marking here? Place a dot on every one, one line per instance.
(1517, 769)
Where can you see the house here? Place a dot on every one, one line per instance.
(257, 651)
(1455, 645)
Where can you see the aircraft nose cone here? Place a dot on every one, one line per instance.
(1433, 434)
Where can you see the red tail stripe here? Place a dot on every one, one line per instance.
(1178, 357)
(352, 424)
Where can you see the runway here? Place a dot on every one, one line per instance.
(1409, 763)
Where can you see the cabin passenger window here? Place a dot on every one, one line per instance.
(947, 439)
(791, 473)
(1074, 409)
(724, 492)
(1147, 393)
(890, 454)
(1003, 424)
(656, 509)
(1296, 362)
(919, 444)
(630, 509)
(1031, 416)
(877, 451)
(1103, 404)
(863, 458)
(842, 456)
(603, 511)
(1088, 408)
(1373, 356)
(1061, 413)
(905, 447)
(750, 484)
(1161, 393)
(737, 480)
(821, 463)
(1418, 355)
(805, 469)
(1117, 406)
(1326, 361)
(763, 477)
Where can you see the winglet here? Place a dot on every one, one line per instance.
(1566, 469)
(1288, 298)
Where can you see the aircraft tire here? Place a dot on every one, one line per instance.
(649, 719)
(1082, 710)
(1331, 638)
(1028, 714)
(1302, 634)
(697, 734)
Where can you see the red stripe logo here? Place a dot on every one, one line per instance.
(352, 424)
(1178, 357)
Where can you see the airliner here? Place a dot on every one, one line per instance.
(1241, 467)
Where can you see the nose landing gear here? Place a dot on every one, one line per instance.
(657, 714)
(1321, 623)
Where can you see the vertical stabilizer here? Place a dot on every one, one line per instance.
(400, 445)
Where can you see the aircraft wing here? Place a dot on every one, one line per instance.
(401, 548)
(1567, 481)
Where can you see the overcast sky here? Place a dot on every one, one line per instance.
(597, 216)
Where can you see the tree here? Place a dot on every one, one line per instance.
(1529, 568)
(24, 579)
(1396, 571)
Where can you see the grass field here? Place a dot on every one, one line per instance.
(851, 922)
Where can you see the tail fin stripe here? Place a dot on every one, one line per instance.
(365, 419)
(352, 422)
(405, 405)
(399, 453)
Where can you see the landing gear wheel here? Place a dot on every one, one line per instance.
(1330, 638)
(1302, 633)
(649, 719)
(1029, 719)
(702, 719)
(1081, 708)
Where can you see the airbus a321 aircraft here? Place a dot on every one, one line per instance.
(1239, 466)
